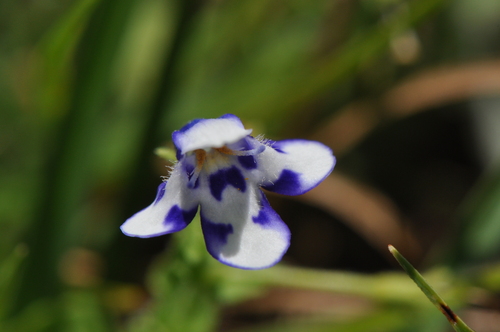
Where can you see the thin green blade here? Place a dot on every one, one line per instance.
(455, 321)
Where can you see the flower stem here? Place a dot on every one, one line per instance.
(387, 287)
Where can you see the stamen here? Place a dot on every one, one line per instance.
(252, 152)
(201, 156)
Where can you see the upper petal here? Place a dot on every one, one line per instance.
(209, 133)
(293, 167)
(173, 209)
(241, 229)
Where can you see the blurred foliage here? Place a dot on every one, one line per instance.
(90, 88)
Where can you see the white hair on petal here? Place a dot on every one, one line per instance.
(170, 169)
(263, 140)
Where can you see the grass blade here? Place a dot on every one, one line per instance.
(454, 320)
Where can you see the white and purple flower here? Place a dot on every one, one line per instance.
(221, 168)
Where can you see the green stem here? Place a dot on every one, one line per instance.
(385, 287)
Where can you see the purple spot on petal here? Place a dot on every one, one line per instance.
(215, 234)
(235, 178)
(288, 183)
(267, 217)
(179, 218)
(189, 169)
(217, 183)
(221, 179)
(262, 218)
(248, 162)
(160, 192)
(178, 154)
(275, 145)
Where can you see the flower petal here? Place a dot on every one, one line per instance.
(293, 167)
(209, 133)
(173, 209)
(242, 230)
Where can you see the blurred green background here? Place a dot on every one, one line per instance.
(406, 93)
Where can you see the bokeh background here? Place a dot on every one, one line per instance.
(406, 93)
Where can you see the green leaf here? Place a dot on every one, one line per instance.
(57, 49)
(67, 179)
(83, 312)
(455, 321)
(9, 269)
(480, 234)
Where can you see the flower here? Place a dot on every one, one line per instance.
(221, 168)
